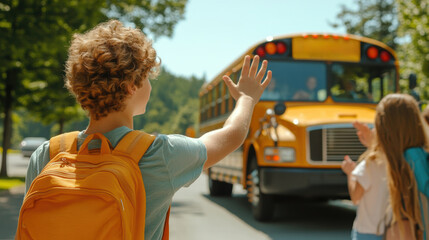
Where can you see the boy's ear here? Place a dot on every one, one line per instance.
(131, 89)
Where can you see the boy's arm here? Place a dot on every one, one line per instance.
(219, 143)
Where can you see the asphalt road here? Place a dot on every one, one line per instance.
(197, 216)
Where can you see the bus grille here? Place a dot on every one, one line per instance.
(332, 144)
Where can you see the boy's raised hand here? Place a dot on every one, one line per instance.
(220, 142)
(250, 82)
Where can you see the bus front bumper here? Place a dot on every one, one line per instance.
(304, 182)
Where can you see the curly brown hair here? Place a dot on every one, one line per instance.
(104, 62)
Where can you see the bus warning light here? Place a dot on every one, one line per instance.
(372, 53)
(271, 48)
(384, 56)
(260, 51)
(281, 47)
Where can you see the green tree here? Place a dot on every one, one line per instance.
(371, 18)
(414, 28)
(35, 35)
(173, 106)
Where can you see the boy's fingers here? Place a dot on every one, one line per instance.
(228, 81)
(254, 67)
(262, 71)
(267, 79)
(246, 64)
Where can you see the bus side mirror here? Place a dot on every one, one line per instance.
(279, 108)
(412, 81)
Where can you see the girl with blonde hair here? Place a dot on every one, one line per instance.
(395, 160)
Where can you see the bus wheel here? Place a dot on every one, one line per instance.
(218, 188)
(263, 205)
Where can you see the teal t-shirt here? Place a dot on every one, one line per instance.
(171, 162)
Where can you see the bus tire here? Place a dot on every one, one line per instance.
(219, 189)
(263, 205)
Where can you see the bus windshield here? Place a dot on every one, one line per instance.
(307, 81)
(296, 81)
(361, 83)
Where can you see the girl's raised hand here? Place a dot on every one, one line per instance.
(348, 165)
(364, 133)
(250, 83)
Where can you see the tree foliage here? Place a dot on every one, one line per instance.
(33, 48)
(373, 18)
(173, 106)
(414, 18)
(166, 113)
(403, 25)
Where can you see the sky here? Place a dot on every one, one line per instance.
(215, 33)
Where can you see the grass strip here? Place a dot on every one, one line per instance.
(7, 183)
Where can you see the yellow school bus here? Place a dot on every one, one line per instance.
(302, 127)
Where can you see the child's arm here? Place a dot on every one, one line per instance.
(219, 143)
(364, 133)
(356, 191)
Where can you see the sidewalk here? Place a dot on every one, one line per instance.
(10, 204)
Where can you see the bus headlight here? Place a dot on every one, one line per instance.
(279, 154)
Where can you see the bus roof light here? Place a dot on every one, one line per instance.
(372, 52)
(260, 51)
(315, 36)
(335, 36)
(270, 48)
(384, 56)
(326, 36)
(281, 47)
(346, 37)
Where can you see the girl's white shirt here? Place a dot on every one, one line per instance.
(372, 214)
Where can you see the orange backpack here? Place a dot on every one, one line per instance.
(90, 194)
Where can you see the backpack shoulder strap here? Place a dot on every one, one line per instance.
(134, 144)
(166, 233)
(66, 142)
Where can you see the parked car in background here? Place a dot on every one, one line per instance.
(30, 144)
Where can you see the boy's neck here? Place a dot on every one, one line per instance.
(108, 123)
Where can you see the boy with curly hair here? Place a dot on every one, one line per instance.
(108, 71)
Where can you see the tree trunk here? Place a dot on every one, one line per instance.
(7, 122)
(61, 123)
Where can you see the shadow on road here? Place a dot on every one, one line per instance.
(179, 208)
(10, 204)
(295, 219)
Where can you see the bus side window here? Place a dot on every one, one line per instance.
(212, 103)
(235, 80)
(206, 106)
(202, 109)
(226, 97)
(219, 99)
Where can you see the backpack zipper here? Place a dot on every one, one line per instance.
(91, 191)
(71, 175)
